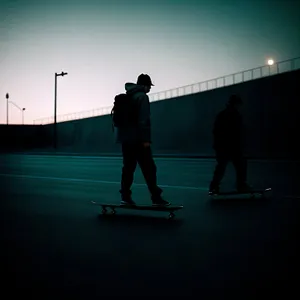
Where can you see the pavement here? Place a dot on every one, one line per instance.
(55, 243)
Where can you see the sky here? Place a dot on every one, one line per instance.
(104, 44)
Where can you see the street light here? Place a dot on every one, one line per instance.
(7, 97)
(55, 106)
(270, 63)
(21, 109)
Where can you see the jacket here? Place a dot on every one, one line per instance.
(228, 131)
(142, 131)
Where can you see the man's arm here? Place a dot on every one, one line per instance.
(144, 124)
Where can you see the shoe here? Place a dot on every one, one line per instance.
(127, 201)
(214, 191)
(159, 201)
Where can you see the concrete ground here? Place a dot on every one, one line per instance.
(55, 243)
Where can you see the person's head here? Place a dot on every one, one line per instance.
(235, 102)
(145, 81)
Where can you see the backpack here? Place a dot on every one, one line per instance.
(123, 112)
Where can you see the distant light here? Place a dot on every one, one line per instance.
(270, 62)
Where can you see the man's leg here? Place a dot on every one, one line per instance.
(222, 161)
(129, 152)
(240, 165)
(148, 167)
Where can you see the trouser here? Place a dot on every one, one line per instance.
(239, 163)
(134, 153)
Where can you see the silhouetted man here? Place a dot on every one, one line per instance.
(136, 140)
(228, 146)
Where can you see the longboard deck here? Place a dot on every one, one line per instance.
(140, 207)
(170, 208)
(252, 193)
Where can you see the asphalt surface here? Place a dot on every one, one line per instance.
(54, 242)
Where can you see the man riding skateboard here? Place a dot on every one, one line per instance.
(228, 137)
(135, 137)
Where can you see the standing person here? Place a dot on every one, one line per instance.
(134, 133)
(228, 144)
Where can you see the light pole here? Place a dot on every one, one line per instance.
(55, 106)
(7, 97)
(270, 63)
(21, 109)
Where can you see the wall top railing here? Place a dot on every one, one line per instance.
(251, 74)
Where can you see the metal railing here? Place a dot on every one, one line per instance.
(75, 116)
(251, 74)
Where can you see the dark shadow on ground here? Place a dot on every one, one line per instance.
(160, 222)
(241, 202)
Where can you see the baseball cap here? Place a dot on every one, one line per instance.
(144, 79)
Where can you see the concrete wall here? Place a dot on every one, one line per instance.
(22, 138)
(271, 115)
(183, 125)
(92, 135)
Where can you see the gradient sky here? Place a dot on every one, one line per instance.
(103, 44)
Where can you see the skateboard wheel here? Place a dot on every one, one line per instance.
(104, 211)
(113, 212)
(171, 216)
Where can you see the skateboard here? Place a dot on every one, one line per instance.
(260, 192)
(113, 207)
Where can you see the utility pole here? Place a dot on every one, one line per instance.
(55, 107)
